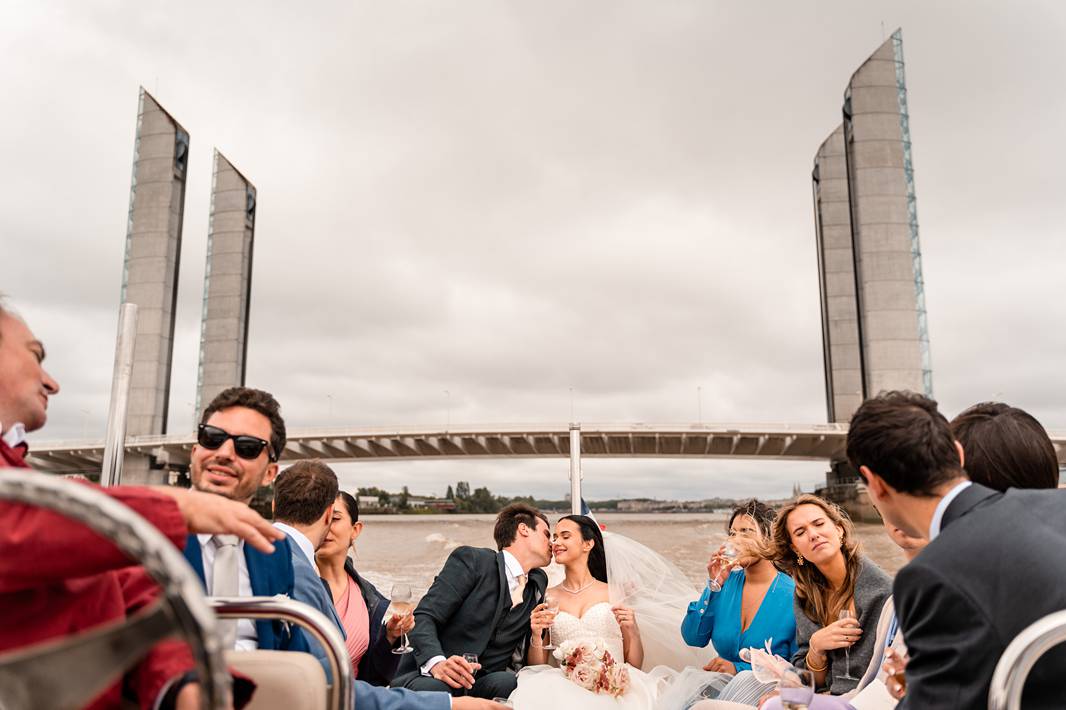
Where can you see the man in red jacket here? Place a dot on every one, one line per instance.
(58, 578)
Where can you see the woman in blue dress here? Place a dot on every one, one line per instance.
(747, 601)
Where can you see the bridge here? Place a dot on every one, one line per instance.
(796, 442)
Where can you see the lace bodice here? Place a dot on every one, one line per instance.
(597, 622)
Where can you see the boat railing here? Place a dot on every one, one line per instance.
(70, 672)
(1008, 680)
(321, 629)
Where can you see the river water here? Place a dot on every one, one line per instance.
(412, 548)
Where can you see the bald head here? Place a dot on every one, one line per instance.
(24, 385)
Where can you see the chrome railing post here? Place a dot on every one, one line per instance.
(1008, 680)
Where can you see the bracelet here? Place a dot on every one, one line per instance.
(813, 668)
(533, 645)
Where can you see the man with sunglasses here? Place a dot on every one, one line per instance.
(239, 440)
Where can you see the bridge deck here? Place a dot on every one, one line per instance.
(813, 442)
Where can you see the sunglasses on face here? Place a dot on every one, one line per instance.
(247, 447)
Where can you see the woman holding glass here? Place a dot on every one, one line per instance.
(372, 644)
(747, 601)
(839, 591)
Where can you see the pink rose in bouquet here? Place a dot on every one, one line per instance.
(590, 665)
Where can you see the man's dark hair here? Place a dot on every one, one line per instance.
(1005, 447)
(303, 491)
(257, 400)
(904, 439)
(510, 518)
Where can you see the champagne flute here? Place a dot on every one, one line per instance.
(847, 614)
(471, 658)
(552, 602)
(729, 554)
(402, 604)
(796, 688)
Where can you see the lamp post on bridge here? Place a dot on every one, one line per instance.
(575, 469)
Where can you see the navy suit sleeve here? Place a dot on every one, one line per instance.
(371, 697)
(948, 639)
(449, 590)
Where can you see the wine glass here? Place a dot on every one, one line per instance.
(847, 614)
(796, 688)
(552, 602)
(402, 604)
(729, 554)
(471, 658)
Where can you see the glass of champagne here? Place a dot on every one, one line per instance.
(471, 658)
(552, 602)
(847, 614)
(402, 604)
(796, 689)
(729, 555)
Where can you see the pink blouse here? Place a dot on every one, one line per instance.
(351, 608)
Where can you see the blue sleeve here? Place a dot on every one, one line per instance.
(743, 665)
(371, 697)
(699, 620)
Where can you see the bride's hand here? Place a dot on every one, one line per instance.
(626, 617)
(540, 619)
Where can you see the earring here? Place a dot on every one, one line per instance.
(800, 560)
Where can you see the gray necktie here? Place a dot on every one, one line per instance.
(225, 581)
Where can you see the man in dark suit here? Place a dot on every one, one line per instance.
(995, 562)
(480, 603)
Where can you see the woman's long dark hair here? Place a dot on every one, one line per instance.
(597, 555)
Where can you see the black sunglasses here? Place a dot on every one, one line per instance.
(247, 447)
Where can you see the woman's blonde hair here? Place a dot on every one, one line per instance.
(819, 601)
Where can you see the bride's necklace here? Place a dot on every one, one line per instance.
(579, 590)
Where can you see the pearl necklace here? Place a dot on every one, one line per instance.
(577, 591)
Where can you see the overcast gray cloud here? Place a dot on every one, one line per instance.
(506, 200)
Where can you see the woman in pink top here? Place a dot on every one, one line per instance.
(360, 606)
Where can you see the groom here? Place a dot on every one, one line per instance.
(480, 603)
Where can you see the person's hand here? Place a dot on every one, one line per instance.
(541, 618)
(718, 568)
(456, 672)
(188, 698)
(626, 618)
(215, 515)
(894, 667)
(398, 625)
(840, 634)
(720, 665)
(468, 703)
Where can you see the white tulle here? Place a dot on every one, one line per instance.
(659, 595)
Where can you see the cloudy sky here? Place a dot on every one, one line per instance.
(507, 201)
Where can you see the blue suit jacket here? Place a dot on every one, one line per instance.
(311, 590)
(270, 575)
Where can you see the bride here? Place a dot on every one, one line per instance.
(596, 608)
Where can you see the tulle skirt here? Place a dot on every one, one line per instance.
(662, 688)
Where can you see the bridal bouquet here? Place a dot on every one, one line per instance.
(589, 664)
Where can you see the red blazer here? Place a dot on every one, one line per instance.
(58, 578)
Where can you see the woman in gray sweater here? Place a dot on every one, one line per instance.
(839, 591)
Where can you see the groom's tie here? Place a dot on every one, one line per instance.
(519, 591)
(225, 576)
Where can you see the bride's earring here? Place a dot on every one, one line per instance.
(800, 560)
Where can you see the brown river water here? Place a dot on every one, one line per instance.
(412, 548)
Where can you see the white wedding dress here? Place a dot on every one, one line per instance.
(546, 687)
(659, 595)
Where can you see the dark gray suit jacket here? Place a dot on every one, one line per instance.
(998, 565)
(461, 609)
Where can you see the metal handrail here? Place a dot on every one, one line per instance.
(1008, 680)
(323, 630)
(29, 675)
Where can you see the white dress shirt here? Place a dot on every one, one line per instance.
(247, 637)
(942, 506)
(15, 435)
(301, 541)
(513, 569)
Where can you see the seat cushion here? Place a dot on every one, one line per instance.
(284, 680)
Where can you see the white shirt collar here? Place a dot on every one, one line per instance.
(300, 539)
(15, 435)
(514, 568)
(942, 506)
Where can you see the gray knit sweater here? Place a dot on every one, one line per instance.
(871, 589)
